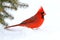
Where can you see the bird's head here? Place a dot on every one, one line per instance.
(42, 12)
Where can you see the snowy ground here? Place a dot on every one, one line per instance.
(50, 29)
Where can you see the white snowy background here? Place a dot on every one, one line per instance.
(50, 29)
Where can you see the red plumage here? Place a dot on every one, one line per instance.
(33, 22)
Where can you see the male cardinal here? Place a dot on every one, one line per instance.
(33, 22)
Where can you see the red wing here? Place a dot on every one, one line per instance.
(32, 19)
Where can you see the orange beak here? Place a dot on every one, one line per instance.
(44, 14)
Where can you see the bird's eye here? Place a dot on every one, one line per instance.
(42, 13)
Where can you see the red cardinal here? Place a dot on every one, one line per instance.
(33, 22)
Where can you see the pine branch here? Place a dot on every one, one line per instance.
(14, 5)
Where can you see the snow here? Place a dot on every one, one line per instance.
(50, 29)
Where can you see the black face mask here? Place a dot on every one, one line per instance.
(42, 14)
